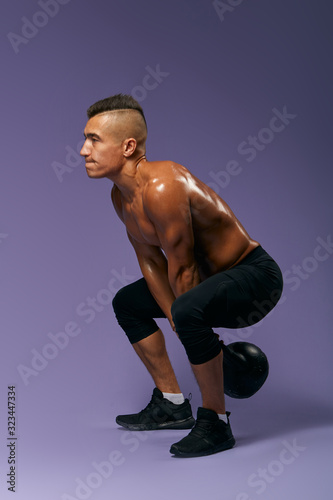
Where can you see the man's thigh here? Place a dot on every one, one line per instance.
(236, 298)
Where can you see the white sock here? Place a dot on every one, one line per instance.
(176, 399)
(223, 416)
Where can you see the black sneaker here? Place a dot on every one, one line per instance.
(160, 413)
(209, 435)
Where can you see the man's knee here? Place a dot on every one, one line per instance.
(181, 312)
(128, 315)
(118, 302)
(200, 342)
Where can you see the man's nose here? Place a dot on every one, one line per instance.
(84, 150)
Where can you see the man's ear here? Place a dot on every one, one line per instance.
(129, 147)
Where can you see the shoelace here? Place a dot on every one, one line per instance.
(200, 430)
(150, 404)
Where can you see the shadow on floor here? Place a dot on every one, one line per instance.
(260, 419)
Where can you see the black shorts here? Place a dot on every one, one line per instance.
(236, 298)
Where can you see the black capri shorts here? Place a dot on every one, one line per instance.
(236, 298)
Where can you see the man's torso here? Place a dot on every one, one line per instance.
(220, 241)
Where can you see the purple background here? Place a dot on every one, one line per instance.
(61, 242)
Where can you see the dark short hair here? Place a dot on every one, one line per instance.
(113, 103)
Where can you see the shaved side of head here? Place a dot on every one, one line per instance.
(127, 123)
(125, 118)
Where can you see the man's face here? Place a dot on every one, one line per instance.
(102, 148)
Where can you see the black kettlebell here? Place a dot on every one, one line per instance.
(245, 369)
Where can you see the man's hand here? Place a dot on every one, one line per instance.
(154, 267)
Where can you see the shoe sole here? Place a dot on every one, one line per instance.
(227, 445)
(187, 423)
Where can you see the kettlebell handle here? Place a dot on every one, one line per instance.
(231, 358)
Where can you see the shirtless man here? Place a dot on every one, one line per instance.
(200, 270)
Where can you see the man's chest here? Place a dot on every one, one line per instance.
(138, 224)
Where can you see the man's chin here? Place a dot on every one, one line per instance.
(93, 175)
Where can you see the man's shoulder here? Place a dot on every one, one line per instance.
(164, 175)
(162, 167)
(166, 187)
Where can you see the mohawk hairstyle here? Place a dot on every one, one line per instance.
(113, 103)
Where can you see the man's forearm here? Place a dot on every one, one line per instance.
(184, 279)
(167, 280)
(158, 283)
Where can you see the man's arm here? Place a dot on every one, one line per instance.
(153, 265)
(167, 205)
(168, 209)
(154, 268)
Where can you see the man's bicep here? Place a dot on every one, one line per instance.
(170, 214)
(173, 224)
(145, 252)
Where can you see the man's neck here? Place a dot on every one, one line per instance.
(128, 180)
